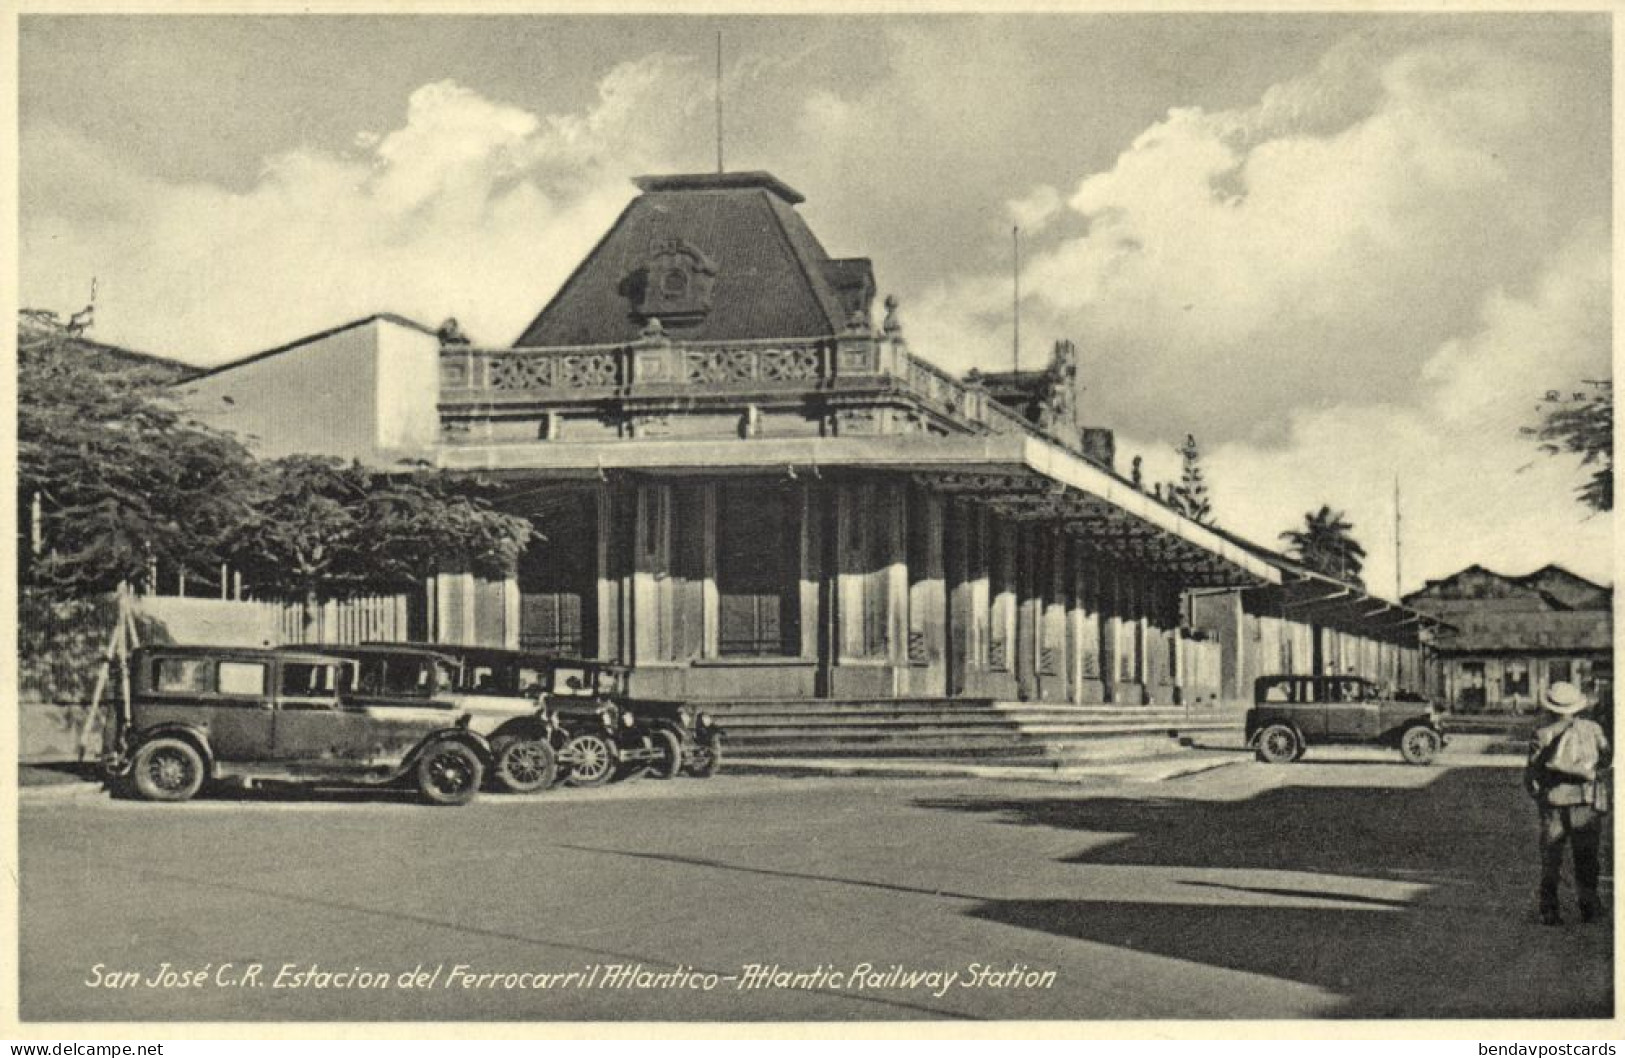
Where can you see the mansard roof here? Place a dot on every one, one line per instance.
(760, 272)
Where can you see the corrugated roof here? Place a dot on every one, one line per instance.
(773, 278)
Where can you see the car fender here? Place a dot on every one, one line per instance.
(524, 727)
(1394, 734)
(468, 738)
(1252, 738)
(196, 735)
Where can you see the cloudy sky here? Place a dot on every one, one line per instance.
(1336, 249)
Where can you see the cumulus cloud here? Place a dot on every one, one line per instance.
(1316, 245)
(1470, 484)
(1375, 271)
(470, 208)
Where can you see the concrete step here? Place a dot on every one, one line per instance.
(985, 717)
(1035, 755)
(1015, 734)
(862, 732)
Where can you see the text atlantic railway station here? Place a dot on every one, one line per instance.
(607, 976)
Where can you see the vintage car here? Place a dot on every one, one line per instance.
(1292, 713)
(198, 714)
(614, 734)
(522, 735)
(602, 733)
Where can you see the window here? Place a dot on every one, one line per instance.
(574, 682)
(181, 675)
(402, 676)
(302, 679)
(1515, 679)
(759, 571)
(242, 677)
(1560, 670)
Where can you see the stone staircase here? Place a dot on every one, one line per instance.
(967, 731)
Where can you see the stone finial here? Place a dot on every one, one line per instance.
(893, 325)
(653, 328)
(451, 332)
(857, 322)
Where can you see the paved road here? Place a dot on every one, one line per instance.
(1332, 888)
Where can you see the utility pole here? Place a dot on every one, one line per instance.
(719, 101)
(1015, 243)
(1398, 567)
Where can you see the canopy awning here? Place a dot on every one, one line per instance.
(1022, 477)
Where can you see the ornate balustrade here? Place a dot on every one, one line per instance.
(469, 373)
(659, 366)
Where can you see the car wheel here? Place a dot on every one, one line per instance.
(592, 761)
(670, 764)
(1419, 745)
(523, 765)
(449, 773)
(1278, 744)
(709, 759)
(167, 769)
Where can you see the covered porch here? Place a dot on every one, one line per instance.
(993, 567)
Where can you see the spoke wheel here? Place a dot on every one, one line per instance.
(524, 765)
(1278, 744)
(592, 760)
(449, 773)
(670, 763)
(1419, 745)
(709, 759)
(167, 769)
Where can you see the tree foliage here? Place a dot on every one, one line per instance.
(1326, 545)
(120, 477)
(1582, 423)
(321, 529)
(1190, 497)
(124, 482)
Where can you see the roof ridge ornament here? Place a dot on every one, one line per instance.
(893, 325)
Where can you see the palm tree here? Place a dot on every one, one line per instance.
(1325, 545)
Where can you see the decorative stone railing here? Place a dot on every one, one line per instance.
(659, 366)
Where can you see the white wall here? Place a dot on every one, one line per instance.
(367, 392)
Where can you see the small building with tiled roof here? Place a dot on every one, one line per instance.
(1511, 637)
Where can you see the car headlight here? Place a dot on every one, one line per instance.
(683, 717)
(703, 719)
(627, 719)
(606, 717)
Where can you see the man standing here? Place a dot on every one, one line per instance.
(1566, 759)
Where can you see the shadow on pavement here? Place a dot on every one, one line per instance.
(1467, 945)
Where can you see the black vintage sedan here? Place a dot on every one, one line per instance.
(1292, 713)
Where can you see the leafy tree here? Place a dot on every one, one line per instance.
(1582, 423)
(1190, 496)
(1326, 545)
(113, 477)
(322, 530)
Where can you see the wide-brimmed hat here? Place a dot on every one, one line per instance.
(1564, 699)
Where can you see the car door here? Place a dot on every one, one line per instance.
(316, 732)
(1351, 711)
(241, 717)
(1305, 708)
